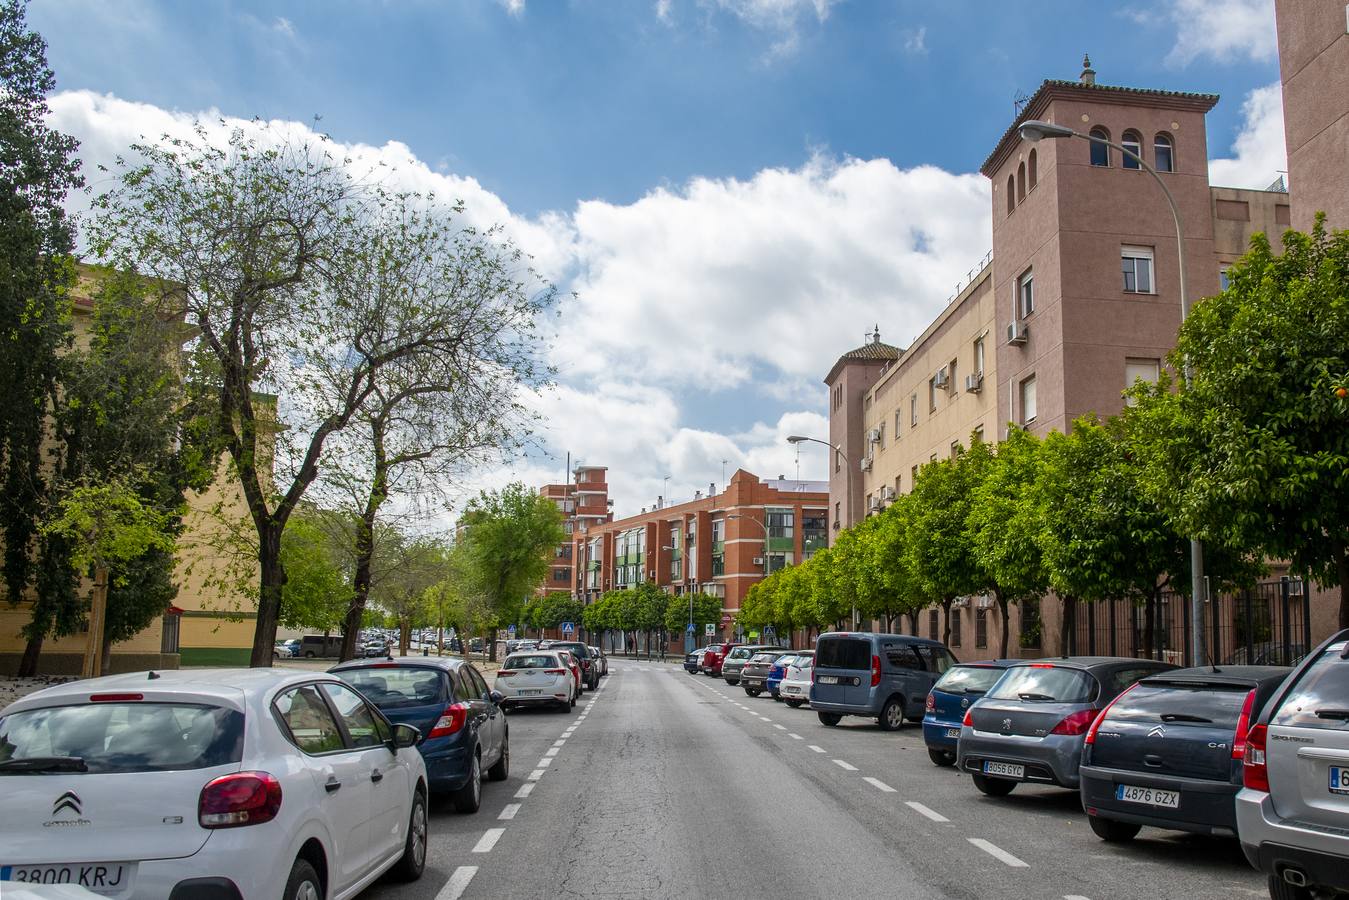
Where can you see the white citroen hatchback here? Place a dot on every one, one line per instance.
(215, 784)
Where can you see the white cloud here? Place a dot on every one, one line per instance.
(1259, 148)
(515, 8)
(915, 40)
(663, 11)
(1222, 30)
(773, 14)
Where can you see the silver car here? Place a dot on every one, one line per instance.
(736, 659)
(1031, 725)
(1293, 810)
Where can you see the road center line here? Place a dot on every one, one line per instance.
(488, 840)
(879, 785)
(551, 751)
(509, 812)
(536, 775)
(545, 762)
(795, 737)
(998, 853)
(925, 811)
(458, 883)
(1075, 897)
(845, 766)
(559, 743)
(817, 749)
(525, 791)
(779, 727)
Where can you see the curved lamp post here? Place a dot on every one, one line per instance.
(1034, 131)
(847, 473)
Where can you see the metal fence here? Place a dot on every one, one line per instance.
(1266, 624)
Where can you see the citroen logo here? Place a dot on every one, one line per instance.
(1157, 731)
(69, 800)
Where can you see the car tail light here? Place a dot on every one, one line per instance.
(243, 798)
(505, 673)
(1042, 665)
(931, 705)
(1254, 774)
(1096, 724)
(875, 670)
(115, 698)
(969, 718)
(1076, 723)
(450, 721)
(1243, 726)
(555, 671)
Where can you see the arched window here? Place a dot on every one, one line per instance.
(1020, 182)
(1032, 170)
(1011, 193)
(1100, 153)
(1132, 142)
(1164, 153)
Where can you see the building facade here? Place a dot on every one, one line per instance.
(583, 501)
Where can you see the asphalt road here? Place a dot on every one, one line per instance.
(664, 784)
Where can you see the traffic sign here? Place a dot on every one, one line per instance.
(691, 628)
(510, 629)
(709, 629)
(568, 628)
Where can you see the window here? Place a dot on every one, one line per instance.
(1021, 183)
(902, 656)
(977, 437)
(1224, 279)
(814, 532)
(1030, 624)
(1025, 293)
(1011, 193)
(559, 574)
(932, 624)
(778, 561)
(897, 423)
(955, 628)
(955, 449)
(932, 394)
(838, 396)
(363, 726)
(979, 356)
(780, 522)
(1137, 265)
(913, 410)
(981, 628)
(1100, 152)
(954, 377)
(881, 429)
(913, 476)
(838, 514)
(1028, 401)
(838, 461)
(868, 502)
(1163, 153)
(310, 723)
(896, 485)
(1132, 142)
(1032, 171)
(936, 659)
(842, 653)
(1140, 370)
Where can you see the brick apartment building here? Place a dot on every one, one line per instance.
(583, 502)
(1078, 297)
(718, 543)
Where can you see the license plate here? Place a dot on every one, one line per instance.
(997, 768)
(953, 732)
(529, 693)
(828, 679)
(108, 879)
(1151, 796)
(790, 689)
(1339, 780)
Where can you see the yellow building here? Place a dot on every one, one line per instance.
(212, 620)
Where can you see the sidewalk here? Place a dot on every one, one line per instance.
(12, 689)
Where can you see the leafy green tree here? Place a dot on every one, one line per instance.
(937, 548)
(1253, 452)
(642, 609)
(408, 566)
(315, 594)
(706, 611)
(37, 169)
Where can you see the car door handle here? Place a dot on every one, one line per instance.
(1153, 760)
(377, 776)
(332, 785)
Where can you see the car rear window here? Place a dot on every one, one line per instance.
(533, 661)
(968, 679)
(127, 737)
(764, 657)
(579, 649)
(1220, 704)
(739, 653)
(1320, 699)
(843, 653)
(1045, 684)
(393, 688)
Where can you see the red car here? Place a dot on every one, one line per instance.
(574, 664)
(715, 655)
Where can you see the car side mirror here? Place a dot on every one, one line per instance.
(496, 696)
(406, 736)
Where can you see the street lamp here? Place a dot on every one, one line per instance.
(847, 483)
(1034, 131)
(763, 526)
(690, 637)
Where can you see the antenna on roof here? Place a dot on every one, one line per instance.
(1019, 102)
(1088, 75)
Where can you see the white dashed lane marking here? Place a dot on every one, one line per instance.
(458, 883)
(536, 775)
(879, 785)
(998, 853)
(488, 840)
(552, 751)
(509, 812)
(817, 749)
(845, 766)
(779, 727)
(795, 737)
(925, 811)
(525, 791)
(545, 762)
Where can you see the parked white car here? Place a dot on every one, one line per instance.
(228, 783)
(794, 690)
(536, 679)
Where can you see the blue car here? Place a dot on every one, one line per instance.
(464, 731)
(778, 671)
(954, 693)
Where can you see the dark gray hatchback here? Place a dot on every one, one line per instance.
(1167, 752)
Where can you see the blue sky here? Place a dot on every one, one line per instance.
(705, 174)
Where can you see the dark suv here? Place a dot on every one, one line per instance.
(590, 668)
(881, 676)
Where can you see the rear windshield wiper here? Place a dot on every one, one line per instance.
(44, 764)
(1183, 717)
(1031, 696)
(1332, 714)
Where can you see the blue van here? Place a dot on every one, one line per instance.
(882, 676)
(954, 693)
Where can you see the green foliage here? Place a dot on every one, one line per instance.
(108, 525)
(706, 611)
(315, 595)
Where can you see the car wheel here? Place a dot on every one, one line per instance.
(1282, 890)
(1112, 831)
(830, 719)
(794, 704)
(943, 758)
(502, 767)
(777, 698)
(892, 714)
(413, 861)
(303, 883)
(993, 787)
(309, 654)
(469, 797)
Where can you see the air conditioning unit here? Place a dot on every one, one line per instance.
(960, 603)
(874, 436)
(974, 383)
(887, 493)
(943, 379)
(876, 505)
(866, 464)
(1017, 333)
(758, 560)
(985, 601)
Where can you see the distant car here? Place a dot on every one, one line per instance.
(735, 661)
(1292, 811)
(796, 678)
(252, 783)
(293, 645)
(714, 655)
(574, 665)
(590, 667)
(598, 653)
(464, 730)
(1031, 725)
(1268, 653)
(1167, 752)
(948, 700)
(376, 648)
(754, 674)
(881, 676)
(536, 678)
(476, 645)
(281, 650)
(775, 674)
(313, 646)
(693, 662)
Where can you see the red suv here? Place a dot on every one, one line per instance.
(713, 658)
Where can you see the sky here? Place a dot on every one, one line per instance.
(728, 193)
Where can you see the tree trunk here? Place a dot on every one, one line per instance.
(1067, 623)
(1149, 630)
(1002, 607)
(105, 657)
(946, 627)
(365, 552)
(31, 652)
(271, 578)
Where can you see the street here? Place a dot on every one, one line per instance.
(663, 784)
